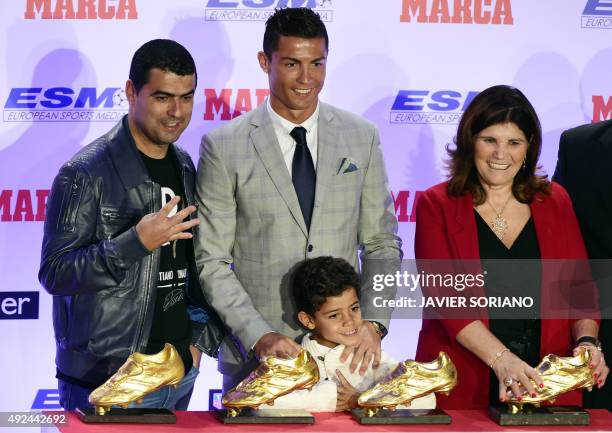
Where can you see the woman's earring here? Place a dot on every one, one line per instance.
(524, 163)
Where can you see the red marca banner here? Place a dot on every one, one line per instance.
(403, 201)
(229, 103)
(457, 11)
(602, 109)
(23, 204)
(81, 9)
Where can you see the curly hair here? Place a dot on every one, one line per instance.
(492, 106)
(317, 279)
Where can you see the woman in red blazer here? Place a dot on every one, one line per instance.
(496, 206)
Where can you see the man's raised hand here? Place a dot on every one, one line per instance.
(155, 229)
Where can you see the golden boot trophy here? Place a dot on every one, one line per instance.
(410, 380)
(138, 377)
(273, 378)
(559, 375)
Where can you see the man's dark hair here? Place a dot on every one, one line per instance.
(164, 54)
(317, 279)
(297, 22)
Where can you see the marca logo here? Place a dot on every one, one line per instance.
(64, 104)
(597, 14)
(457, 11)
(18, 305)
(46, 399)
(602, 109)
(402, 199)
(81, 9)
(260, 10)
(425, 106)
(230, 103)
(27, 204)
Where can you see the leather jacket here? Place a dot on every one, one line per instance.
(103, 280)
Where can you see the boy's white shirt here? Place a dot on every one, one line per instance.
(323, 396)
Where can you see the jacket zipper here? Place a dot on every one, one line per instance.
(110, 214)
(138, 344)
(155, 198)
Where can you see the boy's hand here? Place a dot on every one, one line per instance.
(368, 348)
(347, 395)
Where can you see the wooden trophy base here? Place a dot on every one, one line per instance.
(266, 416)
(545, 415)
(402, 416)
(128, 416)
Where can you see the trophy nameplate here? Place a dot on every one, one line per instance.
(266, 416)
(128, 416)
(402, 416)
(544, 415)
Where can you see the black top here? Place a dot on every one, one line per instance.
(170, 319)
(509, 273)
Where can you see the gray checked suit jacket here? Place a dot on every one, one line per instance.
(252, 232)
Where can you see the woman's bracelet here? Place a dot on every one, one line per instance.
(593, 341)
(497, 356)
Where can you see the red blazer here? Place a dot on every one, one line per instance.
(446, 229)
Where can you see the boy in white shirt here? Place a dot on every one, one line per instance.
(325, 292)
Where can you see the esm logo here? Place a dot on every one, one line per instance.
(260, 10)
(443, 107)
(457, 11)
(65, 104)
(597, 14)
(46, 399)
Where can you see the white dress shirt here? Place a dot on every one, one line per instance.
(283, 127)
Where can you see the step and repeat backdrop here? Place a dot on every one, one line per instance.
(409, 66)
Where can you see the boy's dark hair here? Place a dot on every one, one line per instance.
(298, 22)
(164, 54)
(317, 279)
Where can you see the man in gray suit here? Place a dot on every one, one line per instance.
(293, 179)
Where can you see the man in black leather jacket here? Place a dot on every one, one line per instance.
(117, 253)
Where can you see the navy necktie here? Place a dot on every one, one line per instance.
(303, 174)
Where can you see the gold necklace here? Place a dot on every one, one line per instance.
(499, 225)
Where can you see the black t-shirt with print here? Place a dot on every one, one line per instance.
(170, 319)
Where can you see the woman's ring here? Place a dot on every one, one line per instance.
(508, 381)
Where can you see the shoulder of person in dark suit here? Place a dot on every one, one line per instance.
(574, 142)
(580, 135)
